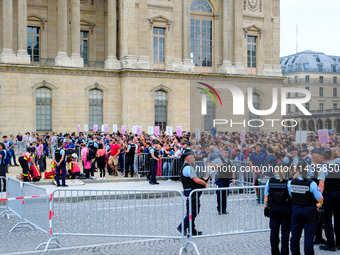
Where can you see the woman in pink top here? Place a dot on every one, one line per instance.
(86, 163)
(101, 160)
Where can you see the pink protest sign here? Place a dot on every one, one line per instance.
(323, 136)
(106, 128)
(78, 128)
(122, 129)
(95, 128)
(157, 131)
(179, 130)
(243, 135)
(139, 130)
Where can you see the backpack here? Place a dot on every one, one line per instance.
(7, 158)
(91, 154)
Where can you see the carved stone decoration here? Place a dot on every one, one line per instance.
(260, 6)
(34, 18)
(96, 85)
(252, 4)
(160, 19)
(244, 4)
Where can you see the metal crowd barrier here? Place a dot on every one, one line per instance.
(167, 166)
(3, 194)
(117, 213)
(21, 148)
(244, 212)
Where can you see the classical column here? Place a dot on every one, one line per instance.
(22, 55)
(188, 66)
(226, 36)
(111, 20)
(62, 59)
(76, 60)
(7, 55)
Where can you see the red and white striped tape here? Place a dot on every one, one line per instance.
(21, 198)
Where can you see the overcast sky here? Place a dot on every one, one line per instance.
(319, 26)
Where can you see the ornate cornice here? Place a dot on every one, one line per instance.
(139, 73)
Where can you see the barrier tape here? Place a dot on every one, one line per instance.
(21, 198)
(51, 214)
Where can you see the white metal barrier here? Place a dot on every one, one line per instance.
(3, 194)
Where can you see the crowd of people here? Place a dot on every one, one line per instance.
(174, 157)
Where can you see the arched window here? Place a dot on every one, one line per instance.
(210, 116)
(43, 109)
(201, 27)
(160, 109)
(96, 108)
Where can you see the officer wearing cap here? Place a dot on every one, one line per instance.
(129, 158)
(331, 186)
(277, 203)
(316, 172)
(154, 158)
(59, 157)
(305, 196)
(190, 182)
(225, 174)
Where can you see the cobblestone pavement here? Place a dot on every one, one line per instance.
(130, 216)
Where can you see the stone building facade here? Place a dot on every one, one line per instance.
(320, 74)
(130, 62)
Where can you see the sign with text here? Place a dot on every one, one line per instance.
(198, 134)
(243, 135)
(106, 128)
(86, 128)
(95, 128)
(168, 130)
(301, 137)
(157, 131)
(122, 129)
(115, 128)
(150, 130)
(78, 127)
(134, 130)
(179, 131)
(323, 136)
(139, 130)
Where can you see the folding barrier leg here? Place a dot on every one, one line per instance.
(23, 225)
(6, 213)
(48, 243)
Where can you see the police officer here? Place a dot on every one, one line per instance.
(154, 158)
(190, 182)
(225, 174)
(291, 160)
(277, 204)
(305, 195)
(59, 158)
(129, 158)
(316, 172)
(331, 201)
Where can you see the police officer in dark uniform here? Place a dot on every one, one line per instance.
(190, 182)
(305, 195)
(277, 204)
(223, 180)
(154, 158)
(331, 202)
(59, 158)
(129, 158)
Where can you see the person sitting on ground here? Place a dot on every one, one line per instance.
(74, 170)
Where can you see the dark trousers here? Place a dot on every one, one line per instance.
(72, 175)
(3, 169)
(13, 157)
(222, 195)
(61, 167)
(87, 173)
(41, 163)
(24, 165)
(121, 162)
(280, 216)
(101, 166)
(195, 209)
(303, 218)
(331, 204)
(93, 166)
(152, 173)
(129, 167)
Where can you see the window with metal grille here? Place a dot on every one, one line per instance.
(160, 109)
(335, 106)
(335, 92)
(158, 44)
(320, 106)
(95, 108)
(320, 79)
(43, 109)
(33, 43)
(84, 46)
(335, 80)
(307, 106)
(321, 91)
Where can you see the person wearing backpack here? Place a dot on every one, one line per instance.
(59, 158)
(3, 164)
(270, 163)
(86, 160)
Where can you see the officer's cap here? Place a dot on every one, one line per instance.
(327, 152)
(304, 150)
(225, 149)
(294, 149)
(60, 144)
(155, 142)
(186, 154)
(317, 151)
(187, 143)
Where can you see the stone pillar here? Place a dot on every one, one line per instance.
(226, 37)
(22, 55)
(187, 65)
(76, 60)
(62, 59)
(111, 20)
(7, 55)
